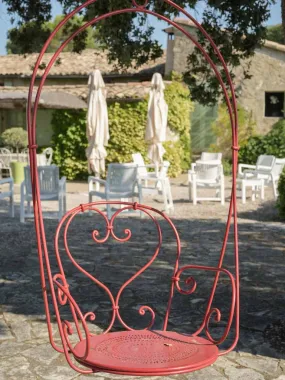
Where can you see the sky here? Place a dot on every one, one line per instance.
(5, 24)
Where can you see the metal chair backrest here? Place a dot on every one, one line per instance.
(265, 162)
(205, 156)
(48, 180)
(139, 161)
(48, 152)
(122, 177)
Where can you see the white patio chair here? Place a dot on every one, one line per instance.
(51, 189)
(267, 168)
(121, 184)
(263, 166)
(8, 193)
(155, 181)
(206, 156)
(48, 152)
(5, 172)
(5, 160)
(207, 175)
(275, 174)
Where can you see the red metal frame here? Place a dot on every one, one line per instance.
(62, 295)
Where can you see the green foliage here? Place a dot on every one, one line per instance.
(273, 143)
(177, 96)
(31, 36)
(275, 33)
(130, 37)
(223, 132)
(15, 138)
(281, 196)
(127, 124)
(69, 143)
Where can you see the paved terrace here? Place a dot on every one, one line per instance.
(24, 349)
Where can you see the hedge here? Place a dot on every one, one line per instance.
(273, 143)
(127, 123)
(281, 196)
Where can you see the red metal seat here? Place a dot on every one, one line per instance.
(147, 353)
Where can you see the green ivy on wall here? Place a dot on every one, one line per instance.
(127, 124)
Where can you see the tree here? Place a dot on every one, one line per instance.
(283, 18)
(16, 138)
(24, 39)
(237, 27)
(275, 33)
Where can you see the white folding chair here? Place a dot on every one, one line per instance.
(48, 152)
(52, 188)
(207, 175)
(267, 168)
(155, 181)
(121, 183)
(8, 193)
(5, 160)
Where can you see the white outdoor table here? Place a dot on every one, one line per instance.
(256, 184)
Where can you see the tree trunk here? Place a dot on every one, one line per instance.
(283, 18)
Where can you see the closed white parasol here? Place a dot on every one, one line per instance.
(156, 120)
(97, 124)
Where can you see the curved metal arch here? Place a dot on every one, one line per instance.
(230, 101)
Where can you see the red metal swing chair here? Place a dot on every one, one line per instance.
(132, 352)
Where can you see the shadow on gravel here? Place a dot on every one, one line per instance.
(262, 258)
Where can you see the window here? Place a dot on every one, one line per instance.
(16, 118)
(274, 104)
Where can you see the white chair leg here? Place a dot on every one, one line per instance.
(90, 201)
(169, 193)
(12, 208)
(60, 206)
(254, 190)
(194, 193)
(222, 192)
(190, 191)
(22, 204)
(64, 204)
(274, 187)
(243, 192)
(164, 193)
(29, 207)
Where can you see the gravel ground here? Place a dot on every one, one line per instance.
(24, 349)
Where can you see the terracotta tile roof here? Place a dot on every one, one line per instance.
(115, 91)
(73, 64)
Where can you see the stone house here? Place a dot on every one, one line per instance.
(263, 94)
(66, 86)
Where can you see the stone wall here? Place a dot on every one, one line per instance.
(268, 75)
(267, 70)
